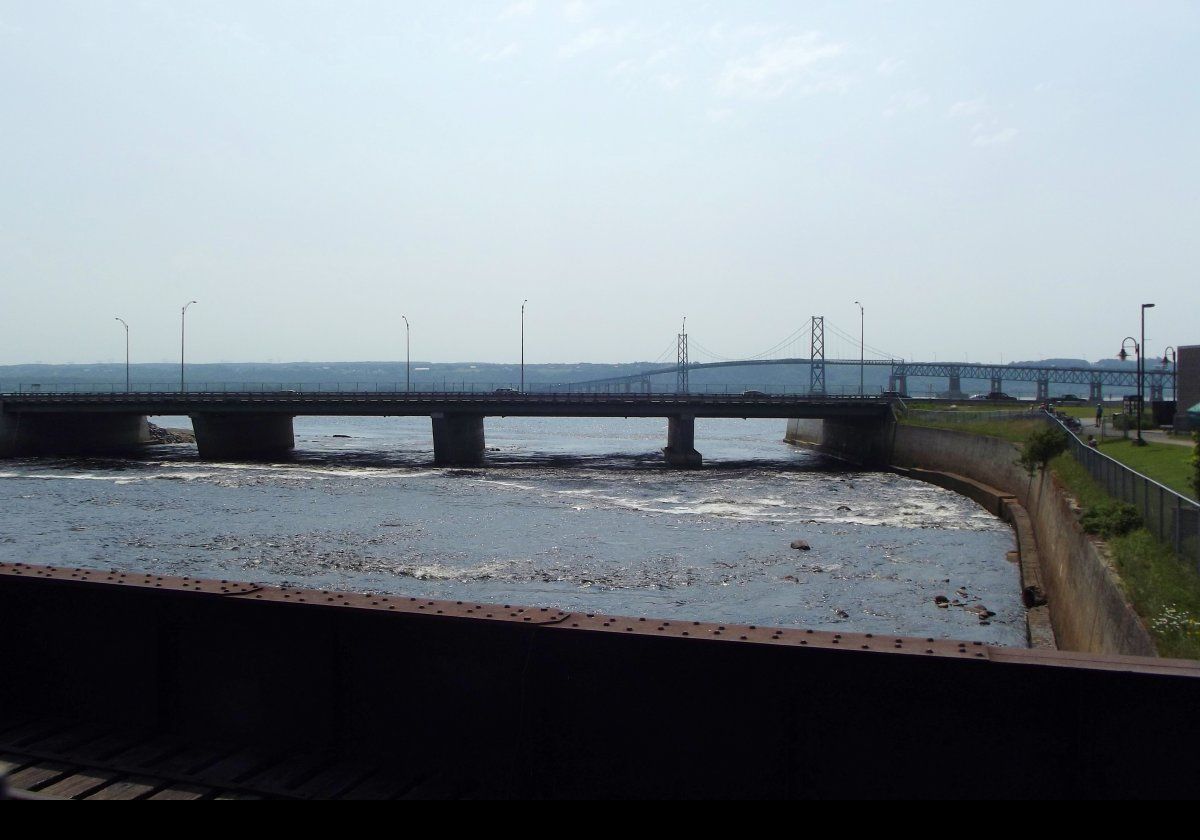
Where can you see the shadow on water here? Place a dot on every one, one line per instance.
(154, 456)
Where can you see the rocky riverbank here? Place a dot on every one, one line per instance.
(158, 434)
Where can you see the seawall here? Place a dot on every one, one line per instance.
(1088, 608)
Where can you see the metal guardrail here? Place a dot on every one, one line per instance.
(1170, 516)
(400, 388)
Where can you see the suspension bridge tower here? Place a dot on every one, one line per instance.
(816, 368)
(681, 375)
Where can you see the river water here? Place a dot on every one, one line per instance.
(572, 513)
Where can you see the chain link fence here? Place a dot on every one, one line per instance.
(1173, 518)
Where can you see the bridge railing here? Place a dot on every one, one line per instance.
(1170, 516)
(423, 386)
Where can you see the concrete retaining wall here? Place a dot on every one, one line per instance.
(1088, 607)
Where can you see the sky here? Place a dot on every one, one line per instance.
(992, 181)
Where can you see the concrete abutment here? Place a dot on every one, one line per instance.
(243, 436)
(680, 450)
(458, 439)
(49, 433)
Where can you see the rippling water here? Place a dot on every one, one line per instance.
(573, 513)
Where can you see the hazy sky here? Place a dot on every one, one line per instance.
(992, 180)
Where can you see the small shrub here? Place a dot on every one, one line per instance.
(1041, 446)
(1111, 519)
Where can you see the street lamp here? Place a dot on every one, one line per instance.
(122, 320)
(523, 345)
(182, 333)
(407, 356)
(862, 347)
(1137, 353)
(1142, 374)
(1174, 368)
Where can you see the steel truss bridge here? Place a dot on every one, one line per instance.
(1097, 379)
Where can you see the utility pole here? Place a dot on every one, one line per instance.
(122, 320)
(523, 345)
(407, 355)
(862, 347)
(182, 333)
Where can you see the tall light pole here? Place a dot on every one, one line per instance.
(1137, 351)
(862, 347)
(182, 333)
(523, 345)
(1142, 375)
(122, 320)
(407, 355)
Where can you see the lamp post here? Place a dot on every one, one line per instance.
(1137, 352)
(122, 320)
(523, 345)
(1142, 375)
(182, 334)
(407, 355)
(862, 347)
(1174, 368)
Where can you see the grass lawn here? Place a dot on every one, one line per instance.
(1166, 463)
(1014, 430)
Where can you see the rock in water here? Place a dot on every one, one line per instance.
(802, 545)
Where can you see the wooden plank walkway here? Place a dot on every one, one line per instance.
(60, 760)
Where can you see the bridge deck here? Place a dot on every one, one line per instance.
(384, 403)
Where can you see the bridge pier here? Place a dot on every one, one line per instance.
(680, 450)
(1043, 390)
(38, 433)
(997, 385)
(898, 382)
(248, 436)
(955, 390)
(457, 439)
(1095, 392)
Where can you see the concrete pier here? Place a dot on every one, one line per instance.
(70, 433)
(243, 436)
(680, 450)
(457, 439)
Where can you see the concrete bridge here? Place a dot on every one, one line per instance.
(257, 426)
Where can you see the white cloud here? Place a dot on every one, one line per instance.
(986, 128)
(968, 108)
(505, 52)
(576, 10)
(985, 137)
(669, 81)
(797, 62)
(522, 8)
(597, 37)
(909, 100)
(889, 66)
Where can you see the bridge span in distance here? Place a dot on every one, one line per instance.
(258, 425)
